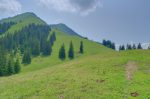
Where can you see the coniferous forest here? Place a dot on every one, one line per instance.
(31, 41)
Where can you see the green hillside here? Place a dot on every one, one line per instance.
(100, 73)
(90, 47)
(22, 20)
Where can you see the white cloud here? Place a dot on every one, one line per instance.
(9, 6)
(83, 7)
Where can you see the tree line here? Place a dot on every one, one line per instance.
(62, 52)
(130, 47)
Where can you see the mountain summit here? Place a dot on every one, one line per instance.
(28, 16)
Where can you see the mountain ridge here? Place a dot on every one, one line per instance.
(27, 18)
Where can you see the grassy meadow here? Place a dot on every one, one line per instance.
(100, 73)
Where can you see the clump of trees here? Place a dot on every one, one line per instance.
(26, 57)
(62, 52)
(130, 47)
(9, 64)
(30, 41)
(109, 44)
(34, 37)
(121, 47)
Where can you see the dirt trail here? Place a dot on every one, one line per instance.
(131, 67)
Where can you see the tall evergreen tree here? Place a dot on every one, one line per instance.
(129, 47)
(3, 68)
(10, 69)
(81, 48)
(149, 47)
(123, 47)
(120, 48)
(134, 46)
(51, 40)
(54, 36)
(71, 51)
(17, 67)
(104, 42)
(47, 49)
(62, 53)
(139, 46)
(113, 46)
(36, 48)
(26, 57)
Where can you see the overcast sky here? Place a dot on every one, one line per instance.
(122, 21)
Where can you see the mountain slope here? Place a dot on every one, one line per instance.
(62, 27)
(100, 73)
(90, 48)
(49, 77)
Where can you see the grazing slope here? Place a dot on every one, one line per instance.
(100, 73)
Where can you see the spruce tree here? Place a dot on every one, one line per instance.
(10, 69)
(26, 57)
(139, 46)
(81, 47)
(123, 48)
(51, 40)
(47, 49)
(71, 51)
(113, 46)
(134, 46)
(120, 48)
(149, 47)
(36, 48)
(129, 47)
(3, 69)
(17, 66)
(62, 53)
(104, 42)
(54, 36)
